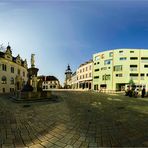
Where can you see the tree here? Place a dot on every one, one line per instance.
(131, 82)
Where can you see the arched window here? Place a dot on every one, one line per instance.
(4, 80)
(12, 80)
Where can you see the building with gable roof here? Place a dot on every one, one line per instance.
(13, 71)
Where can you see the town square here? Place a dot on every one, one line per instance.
(77, 119)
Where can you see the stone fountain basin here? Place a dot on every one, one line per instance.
(33, 95)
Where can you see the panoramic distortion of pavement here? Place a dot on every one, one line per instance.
(77, 119)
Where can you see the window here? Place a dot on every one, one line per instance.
(4, 80)
(18, 71)
(89, 74)
(96, 69)
(145, 66)
(121, 51)
(90, 67)
(86, 68)
(46, 87)
(3, 90)
(108, 67)
(134, 74)
(133, 66)
(11, 89)
(94, 63)
(133, 58)
(103, 68)
(98, 62)
(131, 51)
(97, 58)
(12, 80)
(96, 87)
(80, 70)
(119, 75)
(142, 74)
(144, 58)
(86, 75)
(4, 67)
(23, 74)
(122, 59)
(111, 54)
(106, 77)
(96, 77)
(118, 68)
(147, 74)
(83, 69)
(12, 69)
(107, 62)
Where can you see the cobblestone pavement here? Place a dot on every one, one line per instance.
(80, 119)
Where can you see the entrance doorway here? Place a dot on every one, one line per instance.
(3, 90)
(120, 86)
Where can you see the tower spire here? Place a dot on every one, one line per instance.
(68, 74)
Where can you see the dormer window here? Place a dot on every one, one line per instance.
(8, 53)
(18, 59)
(8, 50)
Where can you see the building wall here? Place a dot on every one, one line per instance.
(8, 74)
(74, 81)
(115, 68)
(48, 85)
(84, 75)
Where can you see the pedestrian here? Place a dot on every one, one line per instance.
(143, 92)
(130, 93)
(135, 92)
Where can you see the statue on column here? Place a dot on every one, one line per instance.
(32, 60)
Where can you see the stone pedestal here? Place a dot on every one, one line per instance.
(32, 78)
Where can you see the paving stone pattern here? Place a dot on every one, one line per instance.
(79, 120)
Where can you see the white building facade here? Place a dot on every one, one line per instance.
(49, 82)
(113, 69)
(74, 83)
(84, 75)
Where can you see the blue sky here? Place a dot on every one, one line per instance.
(69, 32)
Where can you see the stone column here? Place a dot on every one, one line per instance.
(34, 83)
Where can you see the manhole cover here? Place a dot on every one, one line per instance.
(26, 105)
